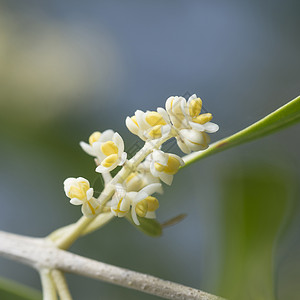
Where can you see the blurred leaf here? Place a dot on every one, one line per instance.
(10, 290)
(286, 115)
(148, 226)
(256, 200)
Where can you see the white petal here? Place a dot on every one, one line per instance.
(132, 126)
(123, 159)
(134, 216)
(80, 179)
(183, 147)
(97, 151)
(194, 96)
(140, 116)
(169, 104)
(131, 196)
(150, 215)
(89, 193)
(151, 188)
(68, 183)
(160, 157)
(141, 195)
(86, 210)
(87, 148)
(125, 205)
(199, 146)
(117, 139)
(76, 201)
(165, 130)
(211, 127)
(153, 171)
(106, 135)
(101, 169)
(197, 126)
(164, 114)
(166, 178)
(120, 191)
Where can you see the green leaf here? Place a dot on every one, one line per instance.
(148, 226)
(255, 206)
(286, 115)
(11, 290)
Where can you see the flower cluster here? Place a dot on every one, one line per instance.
(130, 192)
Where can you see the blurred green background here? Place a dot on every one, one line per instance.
(68, 68)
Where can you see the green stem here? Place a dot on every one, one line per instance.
(72, 235)
(49, 292)
(284, 116)
(61, 285)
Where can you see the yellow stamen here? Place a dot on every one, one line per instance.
(159, 167)
(148, 204)
(141, 208)
(202, 119)
(94, 137)
(153, 203)
(109, 161)
(154, 118)
(173, 165)
(155, 132)
(109, 148)
(195, 107)
(79, 191)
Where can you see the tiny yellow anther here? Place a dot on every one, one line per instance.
(173, 165)
(109, 161)
(155, 132)
(153, 203)
(109, 148)
(154, 118)
(195, 107)
(79, 191)
(94, 137)
(141, 208)
(202, 119)
(159, 167)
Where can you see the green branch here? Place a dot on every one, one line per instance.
(284, 116)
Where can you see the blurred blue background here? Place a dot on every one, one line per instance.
(68, 68)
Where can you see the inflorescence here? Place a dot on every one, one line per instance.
(132, 188)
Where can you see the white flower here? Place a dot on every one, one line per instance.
(197, 121)
(111, 154)
(143, 204)
(165, 165)
(120, 204)
(80, 193)
(192, 140)
(150, 124)
(189, 124)
(175, 108)
(95, 141)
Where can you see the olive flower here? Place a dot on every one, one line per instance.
(80, 193)
(150, 124)
(165, 165)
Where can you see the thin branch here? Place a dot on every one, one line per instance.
(41, 253)
(49, 291)
(97, 223)
(61, 285)
(71, 236)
